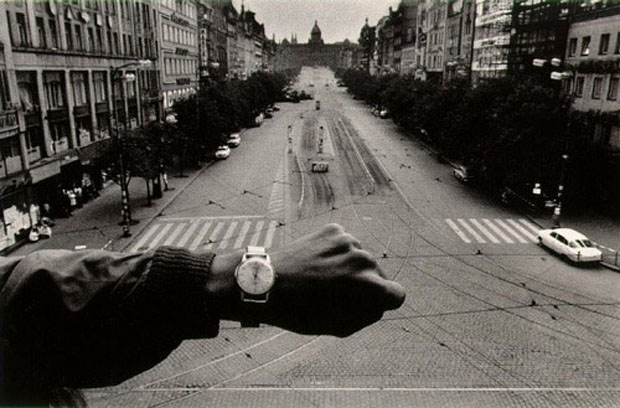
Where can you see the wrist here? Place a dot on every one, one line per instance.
(221, 287)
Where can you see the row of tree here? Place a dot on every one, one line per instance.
(512, 131)
(198, 124)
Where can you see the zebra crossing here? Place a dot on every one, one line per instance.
(494, 231)
(200, 233)
(277, 198)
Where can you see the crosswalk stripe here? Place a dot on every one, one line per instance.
(510, 231)
(458, 231)
(484, 230)
(214, 234)
(229, 234)
(257, 231)
(497, 231)
(188, 233)
(522, 230)
(531, 226)
(159, 236)
(201, 235)
(469, 229)
(145, 238)
(244, 230)
(174, 234)
(271, 230)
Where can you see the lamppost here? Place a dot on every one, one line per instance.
(126, 209)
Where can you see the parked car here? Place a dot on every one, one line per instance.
(234, 140)
(570, 244)
(463, 173)
(268, 113)
(259, 120)
(222, 152)
(275, 108)
(384, 114)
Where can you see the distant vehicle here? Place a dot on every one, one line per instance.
(384, 114)
(259, 119)
(317, 105)
(320, 167)
(311, 85)
(570, 244)
(376, 110)
(463, 173)
(234, 140)
(268, 113)
(340, 84)
(222, 152)
(326, 84)
(303, 95)
(275, 108)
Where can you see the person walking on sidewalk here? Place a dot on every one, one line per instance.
(81, 319)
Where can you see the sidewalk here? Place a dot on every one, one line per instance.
(96, 225)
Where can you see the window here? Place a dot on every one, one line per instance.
(131, 88)
(597, 86)
(79, 42)
(110, 49)
(53, 90)
(22, 29)
(4, 91)
(69, 36)
(91, 40)
(78, 83)
(99, 39)
(27, 85)
(603, 47)
(41, 32)
(612, 93)
(100, 88)
(617, 50)
(585, 46)
(53, 33)
(579, 83)
(572, 47)
(117, 46)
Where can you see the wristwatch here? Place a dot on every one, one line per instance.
(255, 277)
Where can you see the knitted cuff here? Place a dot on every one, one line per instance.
(177, 277)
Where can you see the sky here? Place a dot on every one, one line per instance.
(338, 19)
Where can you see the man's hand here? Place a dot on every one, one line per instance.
(326, 284)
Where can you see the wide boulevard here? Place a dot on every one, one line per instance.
(491, 319)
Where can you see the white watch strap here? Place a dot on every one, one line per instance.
(255, 250)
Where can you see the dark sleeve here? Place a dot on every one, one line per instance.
(96, 318)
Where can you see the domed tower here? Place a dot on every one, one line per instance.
(315, 34)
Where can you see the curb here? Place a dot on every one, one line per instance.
(177, 192)
(610, 266)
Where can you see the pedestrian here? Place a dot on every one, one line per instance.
(80, 319)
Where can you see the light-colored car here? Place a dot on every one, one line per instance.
(384, 114)
(268, 113)
(463, 174)
(222, 152)
(234, 140)
(570, 244)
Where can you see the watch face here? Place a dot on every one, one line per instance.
(255, 276)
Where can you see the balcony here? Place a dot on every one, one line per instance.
(34, 154)
(61, 145)
(13, 164)
(8, 119)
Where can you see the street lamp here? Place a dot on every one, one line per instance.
(126, 209)
(557, 212)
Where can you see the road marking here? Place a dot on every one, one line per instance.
(188, 233)
(498, 231)
(522, 230)
(531, 226)
(458, 231)
(145, 238)
(469, 229)
(159, 236)
(242, 234)
(201, 235)
(357, 152)
(228, 235)
(257, 231)
(214, 235)
(376, 389)
(174, 234)
(223, 217)
(484, 230)
(271, 230)
(510, 231)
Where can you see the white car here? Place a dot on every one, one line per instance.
(234, 140)
(222, 152)
(570, 244)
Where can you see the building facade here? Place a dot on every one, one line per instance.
(179, 57)
(71, 75)
(491, 39)
(314, 53)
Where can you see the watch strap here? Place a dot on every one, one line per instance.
(252, 308)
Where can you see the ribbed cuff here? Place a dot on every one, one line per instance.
(177, 278)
